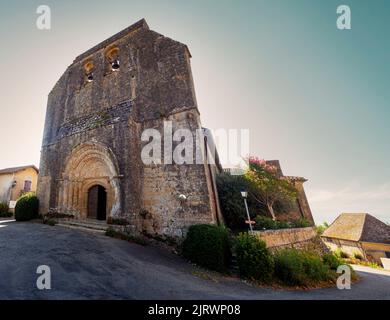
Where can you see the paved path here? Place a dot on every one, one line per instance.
(91, 266)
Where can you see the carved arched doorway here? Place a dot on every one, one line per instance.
(90, 165)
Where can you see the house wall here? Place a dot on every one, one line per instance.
(349, 247)
(369, 250)
(376, 251)
(20, 177)
(5, 185)
(7, 194)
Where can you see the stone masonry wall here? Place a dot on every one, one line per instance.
(107, 116)
(286, 237)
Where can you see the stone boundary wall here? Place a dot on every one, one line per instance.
(286, 237)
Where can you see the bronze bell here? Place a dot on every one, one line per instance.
(90, 77)
(115, 65)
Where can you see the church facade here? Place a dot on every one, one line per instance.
(91, 164)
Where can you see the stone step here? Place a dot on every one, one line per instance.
(81, 228)
(234, 265)
(84, 224)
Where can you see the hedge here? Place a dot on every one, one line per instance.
(208, 246)
(27, 207)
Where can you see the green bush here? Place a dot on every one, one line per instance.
(232, 205)
(295, 267)
(342, 254)
(321, 228)
(254, 260)
(50, 222)
(4, 210)
(208, 246)
(315, 268)
(302, 223)
(111, 232)
(332, 261)
(6, 215)
(27, 207)
(289, 267)
(266, 223)
(117, 221)
(358, 256)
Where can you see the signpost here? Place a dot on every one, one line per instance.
(244, 194)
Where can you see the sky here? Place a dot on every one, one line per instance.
(315, 97)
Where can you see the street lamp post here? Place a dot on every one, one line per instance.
(244, 194)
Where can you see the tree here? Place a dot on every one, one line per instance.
(322, 227)
(270, 188)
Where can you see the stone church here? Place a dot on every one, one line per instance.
(91, 163)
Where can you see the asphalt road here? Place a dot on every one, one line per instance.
(92, 266)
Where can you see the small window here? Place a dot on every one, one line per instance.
(27, 186)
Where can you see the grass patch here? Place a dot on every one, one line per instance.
(111, 232)
(49, 222)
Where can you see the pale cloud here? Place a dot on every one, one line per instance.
(351, 193)
(328, 204)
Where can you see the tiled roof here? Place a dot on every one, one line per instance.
(17, 169)
(358, 227)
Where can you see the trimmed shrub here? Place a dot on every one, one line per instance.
(294, 267)
(27, 207)
(331, 261)
(254, 260)
(208, 246)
